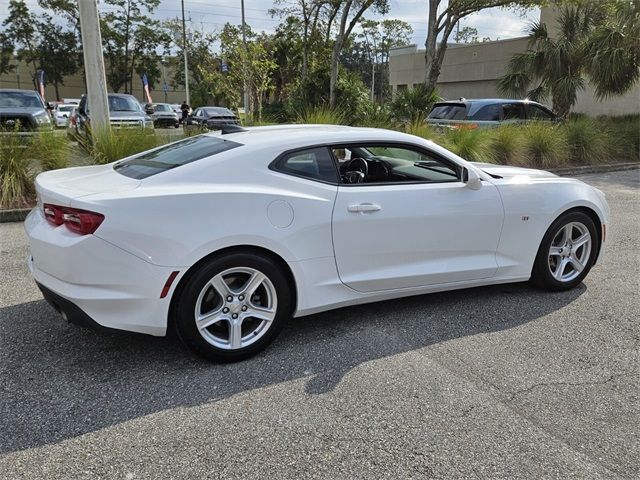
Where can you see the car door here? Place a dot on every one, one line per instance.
(420, 225)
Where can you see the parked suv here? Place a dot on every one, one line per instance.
(124, 111)
(489, 112)
(23, 111)
(164, 116)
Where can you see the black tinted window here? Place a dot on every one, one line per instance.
(488, 113)
(315, 163)
(448, 111)
(513, 111)
(173, 155)
(538, 113)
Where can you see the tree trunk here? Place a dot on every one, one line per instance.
(55, 86)
(432, 71)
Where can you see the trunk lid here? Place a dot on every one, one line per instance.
(60, 187)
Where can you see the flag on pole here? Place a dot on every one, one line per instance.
(145, 86)
(41, 83)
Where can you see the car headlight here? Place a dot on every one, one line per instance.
(42, 118)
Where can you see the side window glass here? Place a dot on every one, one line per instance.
(537, 113)
(513, 111)
(488, 113)
(381, 164)
(314, 163)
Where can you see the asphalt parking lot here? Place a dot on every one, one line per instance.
(495, 382)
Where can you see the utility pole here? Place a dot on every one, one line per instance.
(373, 67)
(184, 51)
(245, 99)
(94, 64)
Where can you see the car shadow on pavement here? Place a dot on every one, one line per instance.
(59, 381)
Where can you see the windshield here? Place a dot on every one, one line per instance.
(162, 107)
(448, 111)
(123, 104)
(20, 99)
(66, 108)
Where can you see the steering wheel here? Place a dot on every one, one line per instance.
(356, 170)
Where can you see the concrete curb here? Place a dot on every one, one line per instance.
(19, 214)
(15, 215)
(614, 167)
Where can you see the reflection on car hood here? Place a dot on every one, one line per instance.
(507, 171)
(127, 115)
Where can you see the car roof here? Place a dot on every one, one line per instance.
(290, 136)
(487, 101)
(17, 90)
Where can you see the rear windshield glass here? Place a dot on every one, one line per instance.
(448, 111)
(173, 155)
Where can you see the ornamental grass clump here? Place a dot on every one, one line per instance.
(22, 157)
(472, 144)
(420, 128)
(586, 141)
(507, 144)
(107, 146)
(51, 149)
(322, 114)
(545, 145)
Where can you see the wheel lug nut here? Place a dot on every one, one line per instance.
(235, 315)
(241, 297)
(225, 310)
(229, 298)
(244, 308)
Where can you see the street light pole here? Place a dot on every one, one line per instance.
(184, 51)
(245, 99)
(94, 64)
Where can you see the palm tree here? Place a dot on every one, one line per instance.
(553, 66)
(613, 50)
(595, 40)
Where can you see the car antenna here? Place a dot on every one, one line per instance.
(224, 129)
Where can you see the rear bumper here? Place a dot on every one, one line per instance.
(70, 311)
(94, 282)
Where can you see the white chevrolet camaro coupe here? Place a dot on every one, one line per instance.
(223, 237)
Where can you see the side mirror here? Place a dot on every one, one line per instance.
(471, 179)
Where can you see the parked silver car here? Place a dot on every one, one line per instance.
(62, 113)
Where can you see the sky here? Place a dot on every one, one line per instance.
(211, 15)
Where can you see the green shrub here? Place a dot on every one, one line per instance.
(623, 134)
(16, 172)
(545, 145)
(586, 141)
(507, 144)
(322, 114)
(110, 145)
(473, 145)
(420, 128)
(51, 150)
(374, 115)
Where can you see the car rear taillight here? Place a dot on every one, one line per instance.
(79, 221)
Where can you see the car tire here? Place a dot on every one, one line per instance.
(567, 252)
(228, 321)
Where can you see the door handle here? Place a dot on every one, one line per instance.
(364, 207)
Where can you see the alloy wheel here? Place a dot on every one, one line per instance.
(235, 308)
